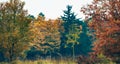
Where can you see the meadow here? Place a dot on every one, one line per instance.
(47, 61)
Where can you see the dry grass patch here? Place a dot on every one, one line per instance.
(42, 62)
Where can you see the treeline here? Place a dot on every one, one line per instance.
(93, 40)
(22, 36)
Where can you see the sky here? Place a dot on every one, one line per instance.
(53, 8)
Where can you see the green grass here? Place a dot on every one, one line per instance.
(41, 62)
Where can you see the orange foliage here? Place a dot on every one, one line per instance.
(106, 23)
(45, 32)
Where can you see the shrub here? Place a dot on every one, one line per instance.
(94, 59)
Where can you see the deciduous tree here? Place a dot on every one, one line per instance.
(13, 29)
(106, 23)
(46, 35)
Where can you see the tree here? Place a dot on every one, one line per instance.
(71, 32)
(31, 17)
(41, 14)
(46, 35)
(85, 46)
(13, 29)
(106, 22)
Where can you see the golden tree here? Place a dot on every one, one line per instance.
(46, 35)
(13, 29)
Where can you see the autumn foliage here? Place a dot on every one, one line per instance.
(105, 22)
(45, 35)
(13, 29)
(96, 40)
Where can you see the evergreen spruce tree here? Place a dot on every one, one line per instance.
(71, 32)
(74, 40)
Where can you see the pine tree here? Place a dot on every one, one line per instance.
(71, 32)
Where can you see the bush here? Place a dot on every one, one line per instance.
(94, 59)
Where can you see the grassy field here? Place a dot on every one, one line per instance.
(41, 62)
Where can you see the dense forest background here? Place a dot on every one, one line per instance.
(94, 40)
